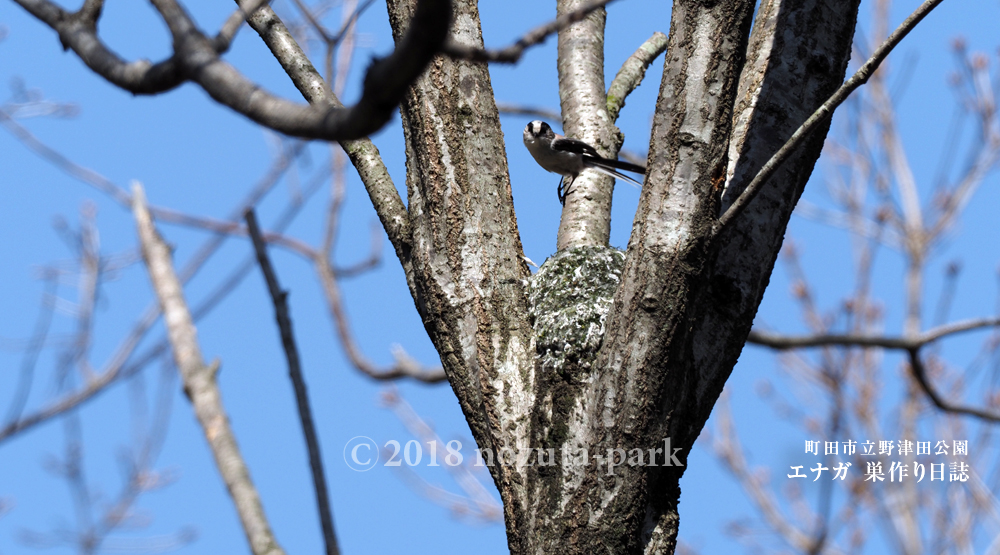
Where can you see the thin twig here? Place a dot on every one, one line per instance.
(911, 345)
(280, 300)
(477, 501)
(117, 368)
(228, 227)
(90, 12)
(538, 35)
(225, 37)
(316, 25)
(34, 348)
(405, 366)
(920, 374)
(349, 22)
(534, 111)
(784, 342)
(822, 114)
(56, 158)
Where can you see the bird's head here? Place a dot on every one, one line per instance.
(536, 130)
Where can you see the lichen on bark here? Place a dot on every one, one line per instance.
(570, 298)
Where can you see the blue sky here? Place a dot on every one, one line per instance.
(197, 157)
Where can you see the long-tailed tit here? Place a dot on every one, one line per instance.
(569, 157)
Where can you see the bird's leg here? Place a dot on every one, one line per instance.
(564, 190)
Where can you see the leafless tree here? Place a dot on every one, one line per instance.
(618, 353)
(849, 365)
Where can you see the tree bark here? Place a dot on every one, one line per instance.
(468, 263)
(619, 354)
(586, 216)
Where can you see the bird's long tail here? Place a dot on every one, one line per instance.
(611, 167)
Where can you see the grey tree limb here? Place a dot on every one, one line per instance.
(196, 59)
(632, 71)
(648, 381)
(586, 215)
(468, 268)
(200, 384)
(823, 114)
(362, 152)
(807, 43)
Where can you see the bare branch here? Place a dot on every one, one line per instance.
(362, 152)
(633, 70)
(32, 351)
(583, 99)
(120, 195)
(280, 300)
(316, 25)
(517, 110)
(225, 36)
(911, 345)
(196, 59)
(79, 33)
(538, 35)
(920, 374)
(349, 22)
(405, 366)
(231, 228)
(477, 501)
(725, 443)
(200, 383)
(783, 342)
(824, 112)
(91, 11)
(86, 175)
(122, 362)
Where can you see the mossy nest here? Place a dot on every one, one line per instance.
(570, 298)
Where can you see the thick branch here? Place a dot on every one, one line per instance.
(227, 33)
(467, 258)
(362, 152)
(822, 115)
(645, 381)
(586, 215)
(196, 59)
(200, 384)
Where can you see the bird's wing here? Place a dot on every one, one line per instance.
(579, 147)
(574, 146)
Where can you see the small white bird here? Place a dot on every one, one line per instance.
(569, 157)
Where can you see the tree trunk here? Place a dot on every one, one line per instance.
(620, 354)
